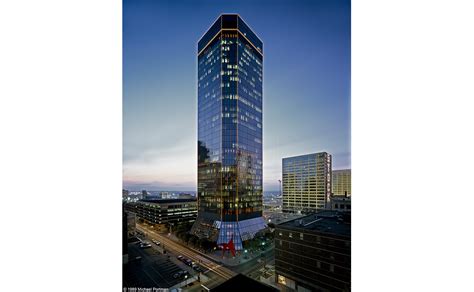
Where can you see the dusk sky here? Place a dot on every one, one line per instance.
(306, 85)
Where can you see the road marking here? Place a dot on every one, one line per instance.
(217, 269)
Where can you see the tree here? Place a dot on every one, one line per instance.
(193, 239)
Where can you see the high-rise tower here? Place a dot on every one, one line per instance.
(230, 93)
(306, 182)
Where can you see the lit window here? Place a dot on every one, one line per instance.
(281, 280)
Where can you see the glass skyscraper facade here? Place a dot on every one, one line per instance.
(306, 182)
(230, 93)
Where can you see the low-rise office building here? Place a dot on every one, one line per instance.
(185, 196)
(313, 253)
(341, 204)
(165, 213)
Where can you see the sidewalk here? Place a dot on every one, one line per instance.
(240, 256)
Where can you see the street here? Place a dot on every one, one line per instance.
(178, 249)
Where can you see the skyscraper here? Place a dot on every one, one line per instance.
(230, 93)
(341, 182)
(306, 182)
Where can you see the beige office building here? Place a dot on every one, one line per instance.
(306, 182)
(341, 182)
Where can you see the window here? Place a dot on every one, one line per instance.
(287, 282)
(301, 236)
(290, 235)
(281, 280)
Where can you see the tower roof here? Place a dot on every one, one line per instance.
(230, 22)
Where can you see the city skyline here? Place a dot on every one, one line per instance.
(160, 123)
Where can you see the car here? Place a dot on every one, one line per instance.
(180, 257)
(180, 274)
(188, 262)
(198, 269)
(145, 245)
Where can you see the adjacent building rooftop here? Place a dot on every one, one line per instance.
(331, 222)
(168, 201)
(243, 283)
